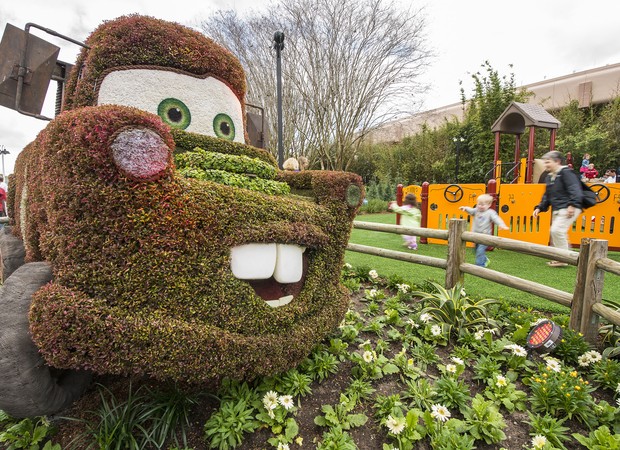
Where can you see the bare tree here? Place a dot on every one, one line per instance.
(348, 66)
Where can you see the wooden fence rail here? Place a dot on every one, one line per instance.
(592, 263)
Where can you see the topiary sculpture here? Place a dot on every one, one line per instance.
(134, 269)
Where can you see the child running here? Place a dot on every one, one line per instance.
(483, 216)
(411, 217)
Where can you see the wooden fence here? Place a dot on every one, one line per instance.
(591, 261)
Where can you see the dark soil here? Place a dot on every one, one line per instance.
(369, 437)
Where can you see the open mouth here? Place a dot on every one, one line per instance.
(275, 271)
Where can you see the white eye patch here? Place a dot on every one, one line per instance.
(200, 105)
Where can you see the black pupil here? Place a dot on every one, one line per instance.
(225, 128)
(175, 115)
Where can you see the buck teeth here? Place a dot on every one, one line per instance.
(262, 261)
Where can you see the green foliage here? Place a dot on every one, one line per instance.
(550, 427)
(484, 421)
(503, 392)
(28, 434)
(571, 346)
(486, 368)
(226, 427)
(374, 206)
(341, 415)
(295, 383)
(599, 439)
(202, 159)
(452, 393)
(359, 389)
(421, 393)
(320, 365)
(237, 180)
(386, 405)
(562, 393)
(607, 373)
(336, 439)
(454, 309)
(120, 424)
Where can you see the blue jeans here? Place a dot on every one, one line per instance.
(481, 255)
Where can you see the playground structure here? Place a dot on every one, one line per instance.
(515, 199)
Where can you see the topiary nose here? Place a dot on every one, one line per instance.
(140, 153)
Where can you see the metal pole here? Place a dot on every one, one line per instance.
(278, 39)
(3, 151)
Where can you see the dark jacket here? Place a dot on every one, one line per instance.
(564, 191)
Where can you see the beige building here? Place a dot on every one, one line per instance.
(589, 87)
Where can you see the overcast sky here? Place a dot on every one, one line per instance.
(542, 39)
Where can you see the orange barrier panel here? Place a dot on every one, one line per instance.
(444, 201)
(601, 220)
(516, 203)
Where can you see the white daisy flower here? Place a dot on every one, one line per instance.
(368, 356)
(618, 388)
(539, 441)
(501, 381)
(584, 360)
(436, 330)
(553, 364)
(517, 350)
(282, 446)
(478, 335)
(373, 274)
(450, 368)
(458, 361)
(348, 266)
(440, 412)
(286, 401)
(594, 356)
(372, 293)
(425, 318)
(404, 288)
(270, 400)
(396, 425)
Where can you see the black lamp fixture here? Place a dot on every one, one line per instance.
(544, 336)
(278, 45)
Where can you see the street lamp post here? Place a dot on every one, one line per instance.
(458, 141)
(3, 151)
(278, 45)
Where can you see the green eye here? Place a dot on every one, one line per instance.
(224, 127)
(175, 113)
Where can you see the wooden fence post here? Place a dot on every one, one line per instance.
(576, 307)
(593, 290)
(456, 252)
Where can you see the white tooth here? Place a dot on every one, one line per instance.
(289, 266)
(280, 302)
(253, 261)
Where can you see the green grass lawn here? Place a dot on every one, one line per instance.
(527, 267)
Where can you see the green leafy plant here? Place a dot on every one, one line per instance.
(484, 422)
(560, 392)
(295, 383)
(226, 427)
(320, 365)
(550, 427)
(504, 392)
(359, 389)
(119, 424)
(420, 393)
(405, 430)
(273, 414)
(606, 373)
(453, 308)
(424, 354)
(386, 405)
(27, 434)
(341, 415)
(451, 392)
(599, 439)
(486, 367)
(336, 439)
(371, 364)
(571, 347)
(171, 410)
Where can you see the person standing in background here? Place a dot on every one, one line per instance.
(411, 217)
(564, 195)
